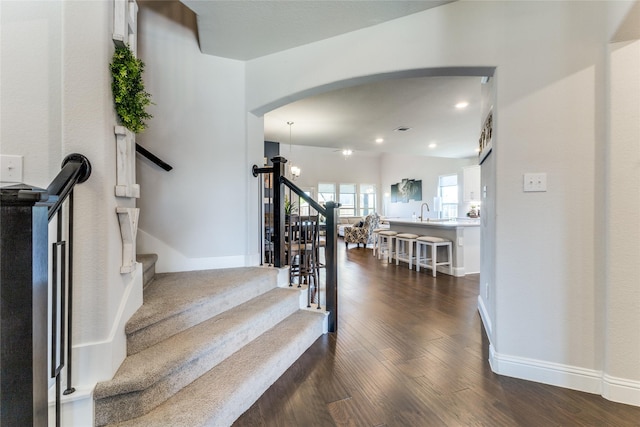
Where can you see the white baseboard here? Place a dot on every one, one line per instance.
(283, 276)
(76, 410)
(171, 260)
(621, 390)
(457, 271)
(556, 374)
(97, 361)
(588, 380)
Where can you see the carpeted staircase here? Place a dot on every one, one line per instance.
(204, 346)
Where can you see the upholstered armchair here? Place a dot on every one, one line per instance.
(363, 234)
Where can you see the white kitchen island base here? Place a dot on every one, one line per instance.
(464, 234)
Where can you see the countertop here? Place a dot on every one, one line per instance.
(438, 223)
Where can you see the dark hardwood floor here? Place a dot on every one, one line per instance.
(411, 351)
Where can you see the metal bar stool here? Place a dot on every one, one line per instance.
(386, 244)
(424, 260)
(404, 248)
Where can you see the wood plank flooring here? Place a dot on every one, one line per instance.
(411, 351)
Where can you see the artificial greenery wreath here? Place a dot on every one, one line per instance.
(129, 95)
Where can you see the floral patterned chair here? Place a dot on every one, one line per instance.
(364, 233)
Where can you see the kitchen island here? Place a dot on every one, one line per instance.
(463, 233)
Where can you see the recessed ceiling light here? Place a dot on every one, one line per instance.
(379, 140)
(347, 152)
(461, 105)
(402, 129)
(433, 145)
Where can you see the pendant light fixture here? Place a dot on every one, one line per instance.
(295, 170)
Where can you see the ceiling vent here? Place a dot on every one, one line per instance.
(402, 129)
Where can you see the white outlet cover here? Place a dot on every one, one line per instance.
(535, 182)
(10, 168)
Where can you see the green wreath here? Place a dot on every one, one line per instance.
(129, 95)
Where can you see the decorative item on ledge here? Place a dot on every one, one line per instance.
(128, 219)
(126, 163)
(125, 23)
(485, 142)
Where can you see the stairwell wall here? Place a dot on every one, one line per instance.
(197, 215)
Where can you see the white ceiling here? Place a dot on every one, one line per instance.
(247, 29)
(352, 117)
(355, 117)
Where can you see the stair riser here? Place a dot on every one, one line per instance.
(148, 262)
(148, 275)
(244, 396)
(222, 394)
(134, 404)
(153, 334)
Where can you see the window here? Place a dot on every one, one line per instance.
(448, 193)
(326, 192)
(354, 199)
(304, 206)
(347, 199)
(367, 199)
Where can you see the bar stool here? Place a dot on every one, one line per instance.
(376, 239)
(386, 243)
(423, 260)
(402, 252)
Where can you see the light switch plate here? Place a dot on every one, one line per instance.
(10, 168)
(535, 182)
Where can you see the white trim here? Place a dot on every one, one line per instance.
(75, 409)
(555, 374)
(588, 380)
(98, 361)
(484, 316)
(621, 390)
(457, 271)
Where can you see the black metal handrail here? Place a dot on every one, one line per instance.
(277, 233)
(26, 291)
(155, 159)
(76, 169)
(300, 192)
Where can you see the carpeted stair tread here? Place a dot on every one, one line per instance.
(222, 394)
(147, 260)
(177, 301)
(152, 375)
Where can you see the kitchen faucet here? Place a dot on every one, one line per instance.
(421, 209)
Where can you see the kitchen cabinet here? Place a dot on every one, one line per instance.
(471, 183)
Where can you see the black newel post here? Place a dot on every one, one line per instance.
(23, 306)
(278, 212)
(332, 264)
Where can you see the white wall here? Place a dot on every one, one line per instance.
(621, 209)
(56, 100)
(395, 167)
(36, 81)
(201, 208)
(320, 164)
(326, 165)
(549, 118)
(382, 169)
